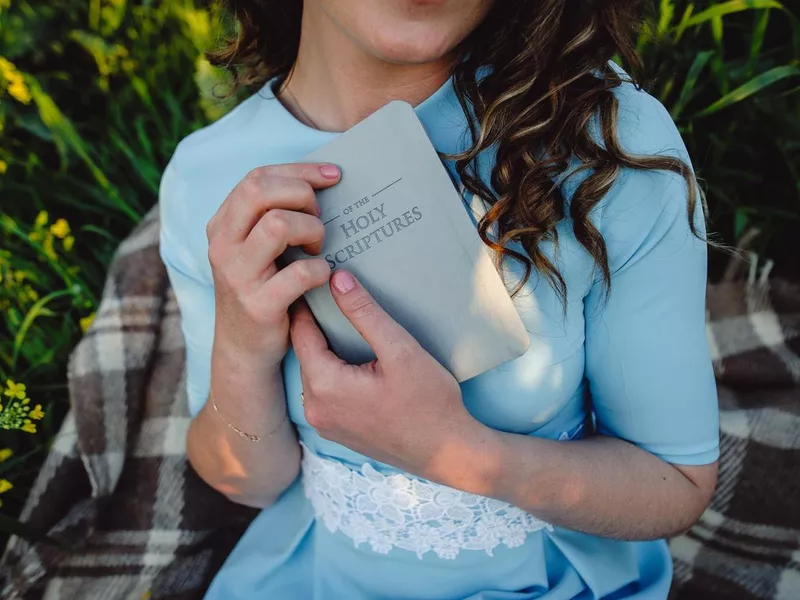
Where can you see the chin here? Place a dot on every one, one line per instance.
(405, 31)
(409, 47)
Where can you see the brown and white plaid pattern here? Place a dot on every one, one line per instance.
(747, 545)
(135, 522)
(116, 489)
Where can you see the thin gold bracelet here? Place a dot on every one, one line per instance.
(248, 436)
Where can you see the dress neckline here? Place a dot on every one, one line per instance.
(440, 113)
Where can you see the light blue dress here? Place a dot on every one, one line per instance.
(639, 362)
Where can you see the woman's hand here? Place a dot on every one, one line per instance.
(271, 208)
(403, 409)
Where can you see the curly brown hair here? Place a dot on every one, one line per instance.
(535, 74)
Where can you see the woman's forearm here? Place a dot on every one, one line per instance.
(600, 485)
(253, 400)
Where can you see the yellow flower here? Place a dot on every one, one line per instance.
(7, 69)
(69, 242)
(15, 390)
(5, 485)
(19, 91)
(86, 321)
(41, 219)
(60, 229)
(16, 415)
(3, 167)
(5, 454)
(15, 81)
(37, 413)
(26, 293)
(35, 236)
(48, 249)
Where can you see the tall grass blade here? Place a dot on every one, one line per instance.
(37, 310)
(726, 8)
(689, 85)
(753, 86)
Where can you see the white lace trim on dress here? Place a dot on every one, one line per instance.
(397, 511)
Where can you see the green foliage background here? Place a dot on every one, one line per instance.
(95, 94)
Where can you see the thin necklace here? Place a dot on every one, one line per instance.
(299, 108)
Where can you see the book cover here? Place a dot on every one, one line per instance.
(397, 222)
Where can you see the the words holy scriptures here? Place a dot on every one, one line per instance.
(368, 229)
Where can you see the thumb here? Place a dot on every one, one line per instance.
(384, 335)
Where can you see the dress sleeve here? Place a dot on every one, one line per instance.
(647, 358)
(193, 289)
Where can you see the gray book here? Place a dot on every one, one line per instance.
(397, 222)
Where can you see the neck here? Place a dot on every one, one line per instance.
(338, 83)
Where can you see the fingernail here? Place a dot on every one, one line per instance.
(329, 171)
(319, 210)
(343, 282)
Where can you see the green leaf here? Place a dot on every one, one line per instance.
(66, 135)
(62, 129)
(101, 232)
(94, 14)
(15, 461)
(726, 8)
(757, 41)
(36, 311)
(741, 221)
(144, 140)
(665, 17)
(681, 28)
(717, 31)
(753, 86)
(718, 66)
(107, 56)
(687, 91)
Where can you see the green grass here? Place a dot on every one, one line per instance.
(729, 73)
(94, 97)
(95, 94)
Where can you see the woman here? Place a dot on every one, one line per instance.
(557, 475)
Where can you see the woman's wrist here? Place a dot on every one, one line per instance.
(494, 464)
(246, 391)
(233, 358)
(470, 460)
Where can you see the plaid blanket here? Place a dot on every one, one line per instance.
(747, 544)
(134, 522)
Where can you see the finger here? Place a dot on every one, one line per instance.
(277, 230)
(386, 337)
(308, 341)
(291, 282)
(255, 195)
(289, 186)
